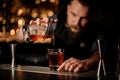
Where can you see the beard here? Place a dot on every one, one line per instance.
(74, 28)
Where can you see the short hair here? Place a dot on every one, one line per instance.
(83, 2)
(91, 4)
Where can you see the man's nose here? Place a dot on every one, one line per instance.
(76, 22)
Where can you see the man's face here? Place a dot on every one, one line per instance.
(76, 14)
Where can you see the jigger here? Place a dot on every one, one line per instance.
(101, 61)
(12, 46)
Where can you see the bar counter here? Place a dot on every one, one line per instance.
(43, 73)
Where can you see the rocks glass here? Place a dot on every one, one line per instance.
(56, 58)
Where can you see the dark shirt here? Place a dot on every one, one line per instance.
(80, 46)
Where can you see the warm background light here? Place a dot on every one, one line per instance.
(37, 1)
(12, 20)
(4, 29)
(52, 1)
(12, 32)
(21, 22)
(17, 30)
(4, 21)
(34, 13)
(1, 18)
(50, 13)
(20, 11)
(43, 0)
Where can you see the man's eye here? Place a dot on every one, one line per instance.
(73, 14)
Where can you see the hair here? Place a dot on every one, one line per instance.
(91, 4)
(83, 2)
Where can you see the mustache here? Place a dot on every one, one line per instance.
(74, 28)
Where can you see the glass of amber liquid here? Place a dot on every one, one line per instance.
(56, 58)
(36, 31)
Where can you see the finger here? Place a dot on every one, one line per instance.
(78, 68)
(61, 67)
(55, 20)
(72, 66)
(67, 66)
(46, 20)
(37, 21)
(31, 22)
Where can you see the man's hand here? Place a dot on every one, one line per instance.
(75, 65)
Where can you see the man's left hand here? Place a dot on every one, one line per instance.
(73, 64)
